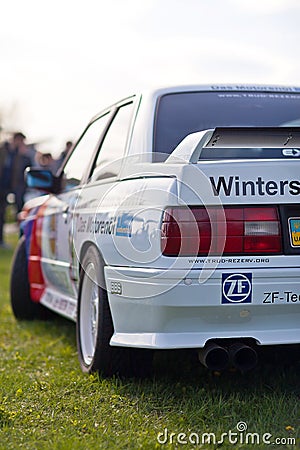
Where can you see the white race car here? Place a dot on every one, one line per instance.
(173, 223)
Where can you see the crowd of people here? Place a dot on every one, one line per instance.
(15, 156)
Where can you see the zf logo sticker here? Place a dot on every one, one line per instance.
(236, 287)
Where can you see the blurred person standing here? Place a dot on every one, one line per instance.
(44, 161)
(21, 161)
(58, 162)
(14, 158)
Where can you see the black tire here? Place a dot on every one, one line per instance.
(22, 305)
(94, 328)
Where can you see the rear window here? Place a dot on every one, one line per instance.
(183, 113)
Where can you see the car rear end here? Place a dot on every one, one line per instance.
(245, 256)
(227, 278)
(227, 265)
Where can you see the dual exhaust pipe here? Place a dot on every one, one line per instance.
(238, 355)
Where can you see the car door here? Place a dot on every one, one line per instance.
(94, 221)
(59, 255)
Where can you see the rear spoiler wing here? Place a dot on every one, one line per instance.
(190, 148)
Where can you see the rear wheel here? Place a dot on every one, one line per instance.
(95, 327)
(22, 305)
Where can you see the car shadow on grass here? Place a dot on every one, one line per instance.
(277, 370)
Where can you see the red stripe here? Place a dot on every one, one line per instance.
(35, 272)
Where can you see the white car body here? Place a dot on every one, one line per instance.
(168, 302)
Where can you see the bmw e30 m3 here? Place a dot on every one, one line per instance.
(173, 223)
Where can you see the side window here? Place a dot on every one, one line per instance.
(108, 162)
(79, 160)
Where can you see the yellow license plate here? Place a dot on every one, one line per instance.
(295, 231)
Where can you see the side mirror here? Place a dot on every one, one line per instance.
(41, 179)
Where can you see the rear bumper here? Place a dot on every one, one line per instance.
(170, 309)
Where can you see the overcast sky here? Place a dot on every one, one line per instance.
(62, 61)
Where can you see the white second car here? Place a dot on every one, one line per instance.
(173, 223)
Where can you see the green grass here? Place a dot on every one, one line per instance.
(47, 403)
(10, 214)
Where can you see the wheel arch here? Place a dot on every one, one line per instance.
(106, 359)
(83, 251)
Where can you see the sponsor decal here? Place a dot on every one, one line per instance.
(58, 303)
(281, 297)
(217, 260)
(233, 185)
(236, 288)
(294, 223)
(251, 87)
(92, 224)
(124, 224)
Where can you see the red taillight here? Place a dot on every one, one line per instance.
(199, 231)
